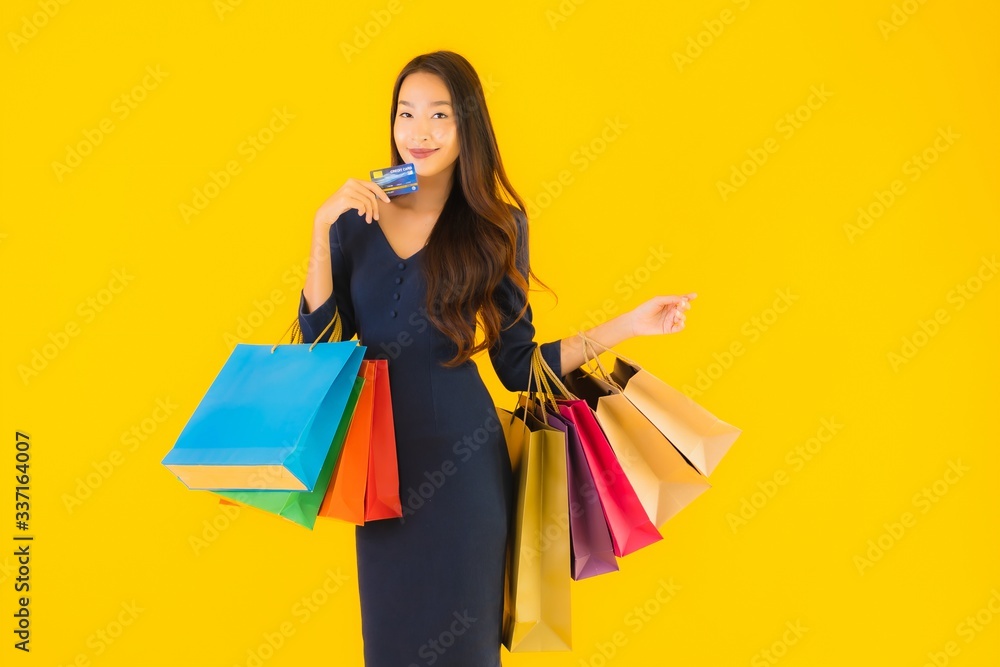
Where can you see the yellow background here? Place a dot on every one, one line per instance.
(561, 75)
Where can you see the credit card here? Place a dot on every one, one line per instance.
(399, 180)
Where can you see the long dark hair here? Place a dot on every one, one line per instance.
(472, 247)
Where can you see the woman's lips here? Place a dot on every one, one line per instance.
(421, 152)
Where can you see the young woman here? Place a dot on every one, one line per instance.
(412, 276)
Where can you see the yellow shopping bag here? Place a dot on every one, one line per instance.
(537, 600)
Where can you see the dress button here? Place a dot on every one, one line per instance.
(398, 280)
(396, 296)
(392, 313)
(401, 265)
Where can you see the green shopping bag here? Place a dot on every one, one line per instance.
(303, 506)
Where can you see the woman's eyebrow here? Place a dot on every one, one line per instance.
(433, 104)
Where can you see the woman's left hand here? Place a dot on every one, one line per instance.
(660, 315)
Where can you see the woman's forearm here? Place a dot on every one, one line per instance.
(609, 333)
(319, 277)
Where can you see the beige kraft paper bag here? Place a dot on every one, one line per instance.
(699, 435)
(663, 479)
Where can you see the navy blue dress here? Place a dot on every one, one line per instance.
(431, 583)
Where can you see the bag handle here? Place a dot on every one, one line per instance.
(527, 406)
(588, 344)
(296, 337)
(605, 348)
(539, 388)
(591, 356)
(548, 375)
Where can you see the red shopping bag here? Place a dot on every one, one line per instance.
(382, 494)
(630, 526)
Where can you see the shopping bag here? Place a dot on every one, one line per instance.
(515, 433)
(591, 550)
(268, 418)
(663, 480)
(345, 496)
(630, 526)
(301, 506)
(699, 435)
(382, 494)
(537, 603)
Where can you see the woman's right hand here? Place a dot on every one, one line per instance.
(355, 193)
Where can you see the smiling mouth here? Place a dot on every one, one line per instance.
(421, 152)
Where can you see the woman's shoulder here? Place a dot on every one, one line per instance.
(519, 215)
(520, 220)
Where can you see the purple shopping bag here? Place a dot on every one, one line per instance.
(630, 527)
(590, 540)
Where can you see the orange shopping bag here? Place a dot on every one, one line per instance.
(345, 497)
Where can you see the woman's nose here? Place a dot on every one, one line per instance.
(422, 130)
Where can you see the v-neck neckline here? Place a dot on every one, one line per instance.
(389, 245)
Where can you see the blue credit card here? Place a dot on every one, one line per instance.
(399, 180)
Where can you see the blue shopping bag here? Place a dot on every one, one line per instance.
(302, 507)
(269, 418)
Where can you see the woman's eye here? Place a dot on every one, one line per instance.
(439, 113)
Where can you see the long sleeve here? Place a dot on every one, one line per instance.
(511, 354)
(340, 300)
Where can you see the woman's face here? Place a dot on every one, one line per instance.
(425, 119)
